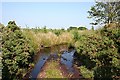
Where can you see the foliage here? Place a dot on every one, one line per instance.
(97, 50)
(16, 53)
(92, 28)
(105, 12)
(107, 49)
(1, 31)
(99, 53)
(1, 34)
(82, 28)
(32, 39)
(86, 73)
(65, 37)
(75, 28)
(112, 31)
(72, 28)
(58, 32)
(76, 35)
(12, 26)
(47, 39)
(44, 29)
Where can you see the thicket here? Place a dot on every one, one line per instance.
(100, 52)
(17, 53)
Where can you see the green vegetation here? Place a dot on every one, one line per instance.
(51, 70)
(76, 28)
(17, 53)
(52, 37)
(105, 12)
(104, 48)
(1, 26)
(98, 51)
(86, 73)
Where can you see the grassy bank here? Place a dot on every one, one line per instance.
(51, 70)
(47, 39)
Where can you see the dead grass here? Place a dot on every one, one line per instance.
(47, 39)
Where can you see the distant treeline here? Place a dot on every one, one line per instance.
(77, 28)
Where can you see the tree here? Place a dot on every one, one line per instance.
(105, 12)
(16, 52)
(92, 28)
(82, 28)
(72, 28)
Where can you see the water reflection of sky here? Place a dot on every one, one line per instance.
(67, 59)
(41, 58)
(38, 66)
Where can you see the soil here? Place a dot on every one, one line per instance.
(63, 70)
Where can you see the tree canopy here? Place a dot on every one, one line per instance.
(105, 12)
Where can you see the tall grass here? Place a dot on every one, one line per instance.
(65, 37)
(47, 39)
(32, 37)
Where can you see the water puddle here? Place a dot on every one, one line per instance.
(67, 58)
(38, 66)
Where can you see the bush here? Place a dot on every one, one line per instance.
(98, 53)
(113, 34)
(33, 39)
(86, 73)
(82, 28)
(57, 32)
(76, 35)
(16, 53)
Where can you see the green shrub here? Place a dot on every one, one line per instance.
(76, 35)
(82, 28)
(113, 34)
(33, 39)
(57, 32)
(98, 53)
(86, 73)
(16, 53)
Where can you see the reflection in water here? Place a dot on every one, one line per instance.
(67, 58)
(38, 66)
(44, 54)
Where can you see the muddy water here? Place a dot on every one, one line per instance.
(45, 53)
